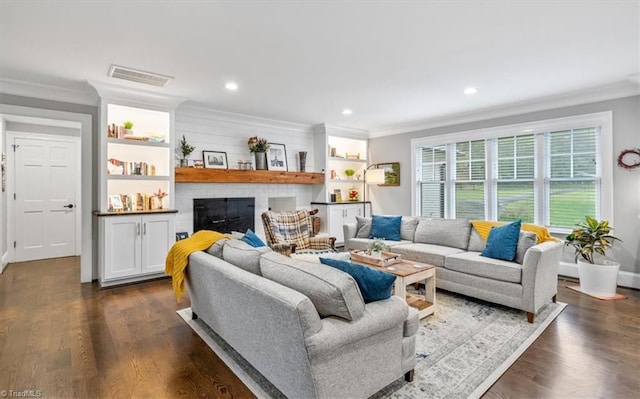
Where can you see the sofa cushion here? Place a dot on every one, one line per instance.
(243, 255)
(386, 227)
(252, 239)
(503, 241)
(363, 243)
(476, 242)
(363, 227)
(527, 240)
(315, 257)
(332, 292)
(475, 264)
(374, 285)
(216, 248)
(425, 253)
(448, 232)
(408, 227)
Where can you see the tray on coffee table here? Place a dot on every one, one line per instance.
(385, 258)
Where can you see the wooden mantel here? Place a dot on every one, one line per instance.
(203, 175)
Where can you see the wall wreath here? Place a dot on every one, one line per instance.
(629, 159)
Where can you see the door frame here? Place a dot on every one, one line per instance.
(12, 113)
(10, 187)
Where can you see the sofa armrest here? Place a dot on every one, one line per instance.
(284, 248)
(350, 230)
(540, 274)
(411, 324)
(337, 332)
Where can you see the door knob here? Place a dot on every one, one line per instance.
(68, 206)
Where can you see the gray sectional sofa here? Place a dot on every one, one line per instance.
(302, 325)
(454, 247)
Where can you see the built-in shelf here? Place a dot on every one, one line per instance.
(203, 175)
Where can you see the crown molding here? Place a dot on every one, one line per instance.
(123, 93)
(216, 115)
(48, 92)
(603, 93)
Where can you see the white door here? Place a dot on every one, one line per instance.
(45, 198)
(158, 235)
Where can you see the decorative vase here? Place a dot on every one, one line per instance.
(184, 163)
(261, 160)
(599, 280)
(303, 160)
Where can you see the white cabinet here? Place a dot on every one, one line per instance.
(134, 247)
(334, 216)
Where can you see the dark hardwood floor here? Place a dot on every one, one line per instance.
(72, 340)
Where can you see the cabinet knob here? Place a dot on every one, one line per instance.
(137, 228)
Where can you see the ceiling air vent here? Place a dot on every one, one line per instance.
(137, 76)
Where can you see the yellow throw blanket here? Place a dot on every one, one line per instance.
(178, 256)
(484, 226)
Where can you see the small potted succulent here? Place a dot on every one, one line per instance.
(591, 239)
(184, 150)
(376, 248)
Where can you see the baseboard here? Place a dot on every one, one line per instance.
(625, 279)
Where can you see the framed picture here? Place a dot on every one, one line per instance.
(215, 159)
(391, 173)
(277, 157)
(116, 202)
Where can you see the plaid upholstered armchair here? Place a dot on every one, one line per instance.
(291, 232)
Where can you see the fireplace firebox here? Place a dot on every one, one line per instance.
(224, 214)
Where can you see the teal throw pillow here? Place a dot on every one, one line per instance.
(503, 242)
(386, 227)
(252, 239)
(374, 284)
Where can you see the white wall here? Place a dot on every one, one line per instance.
(212, 130)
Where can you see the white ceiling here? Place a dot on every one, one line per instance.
(392, 63)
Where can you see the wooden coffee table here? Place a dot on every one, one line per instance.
(407, 273)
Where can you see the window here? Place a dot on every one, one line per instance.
(549, 172)
(433, 179)
(470, 177)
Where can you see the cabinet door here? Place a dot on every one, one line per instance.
(121, 247)
(158, 235)
(351, 211)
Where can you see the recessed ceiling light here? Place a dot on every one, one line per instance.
(232, 86)
(470, 90)
(346, 111)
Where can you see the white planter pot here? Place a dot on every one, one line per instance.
(600, 280)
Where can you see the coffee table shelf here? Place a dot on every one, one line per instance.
(407, 273)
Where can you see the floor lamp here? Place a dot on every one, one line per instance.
(373, 176)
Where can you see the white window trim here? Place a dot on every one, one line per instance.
(602, 119)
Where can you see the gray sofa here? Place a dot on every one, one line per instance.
(304, 326)
(454, 247)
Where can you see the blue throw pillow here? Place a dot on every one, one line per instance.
(386, 227)
(252, 239)
(503, 242)
(374, 284)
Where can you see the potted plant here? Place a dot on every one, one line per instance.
(591, 239)
(376, 248)
(183, 150)
(259, 147)
(128, 125)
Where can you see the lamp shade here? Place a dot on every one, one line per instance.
(375, 176)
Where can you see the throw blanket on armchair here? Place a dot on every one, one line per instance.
(178, 256)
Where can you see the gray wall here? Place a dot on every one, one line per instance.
(626, 183)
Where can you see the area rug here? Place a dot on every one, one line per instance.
(461, 350)
(604, 298)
